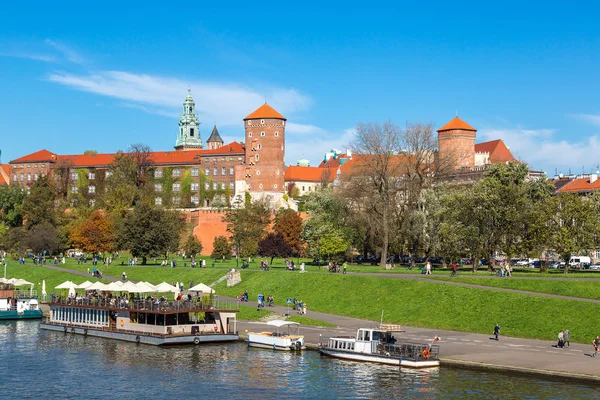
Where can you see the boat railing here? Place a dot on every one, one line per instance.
(408, 351)
(25, 294)
(147, 305)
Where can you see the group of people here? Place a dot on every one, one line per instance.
(335, 268)
(563, 338)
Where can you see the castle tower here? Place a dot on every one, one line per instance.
(265, 150)
(189, 127)
(456, 144)
(214, 141)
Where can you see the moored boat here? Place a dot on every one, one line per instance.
(148, 321)
(378, 345)
(18, 304)
(277, 340)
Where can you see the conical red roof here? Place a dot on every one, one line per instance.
(457, 123)
(265, 111)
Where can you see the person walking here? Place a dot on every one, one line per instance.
(596, 343)
(561, 340)
(566, 338)
(345, 267)
(428, 268)
(496, 331)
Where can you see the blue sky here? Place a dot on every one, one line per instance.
(104, 77)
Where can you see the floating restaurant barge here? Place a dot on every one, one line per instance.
(380, 346)
(145, 321)
(18, 304)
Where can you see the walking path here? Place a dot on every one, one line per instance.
(460, 349)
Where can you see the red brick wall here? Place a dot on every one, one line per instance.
(210, 225)
(457, 147)
(265, 138)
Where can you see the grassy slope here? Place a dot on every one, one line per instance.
(427, 304)
(36, 274)
(583, 289)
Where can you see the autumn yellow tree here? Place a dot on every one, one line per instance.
(95, 234)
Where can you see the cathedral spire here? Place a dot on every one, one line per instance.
(189, 126)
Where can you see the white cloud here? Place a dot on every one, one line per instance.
(225, 103)
(295, 128)
(66, 51)
(589, 118)
(314, 145)
(31, 56)
(541, 151)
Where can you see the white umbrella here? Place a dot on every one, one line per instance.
(44, 289)
(97, 286)
(66, 285)
(113, 286)
(166, 287)
(201, 287)
(143, 288)
(129, 287)
(72, 291)
(84, 285)
(20, 282)
(148, 284)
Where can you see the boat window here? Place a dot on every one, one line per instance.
(367, 336)
(360, 334)
(375, 335)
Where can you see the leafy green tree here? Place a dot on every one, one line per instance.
(274, 245)
(192, 246)
(11, 205)
(221, 248)
(247, 226)
(121, 190)
(15, 241)
(573, 225)
(38, 205)
(289, 225)
(149, 232)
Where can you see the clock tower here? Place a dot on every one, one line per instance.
(189, 127)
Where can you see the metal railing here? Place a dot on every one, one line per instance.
(146, 305)
(405, 351)
(25, 294)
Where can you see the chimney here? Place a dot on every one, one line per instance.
(593, 178)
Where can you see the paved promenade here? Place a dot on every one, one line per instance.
(456, 348)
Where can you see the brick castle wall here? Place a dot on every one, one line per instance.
(265, 149)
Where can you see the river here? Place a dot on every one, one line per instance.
(42, 364)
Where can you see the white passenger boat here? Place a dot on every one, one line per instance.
(290, 340)
(380, 346)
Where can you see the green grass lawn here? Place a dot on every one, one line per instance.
(583, 289)
(36, 275)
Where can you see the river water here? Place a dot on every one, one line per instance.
(42, 364)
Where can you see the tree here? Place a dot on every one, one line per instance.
(95, 234)
(44, 237)
(11, 205)
(573, 225)
(192, 246)
(274, 245)
(149, 232)
(289, 225)
(247, 226)
(15, 240)
(142, 156)
(221, 248)
(121, 191)
(38, 206)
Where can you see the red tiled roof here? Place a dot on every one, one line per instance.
(498, 151)
(308, 174)
(580, 185)
(457, 123)
(4, 174)
(42, 155)
(265, 111)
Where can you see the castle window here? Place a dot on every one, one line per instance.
(260, 186)
(14, 177)
(28, 165)
(215, 186)
(256, 156)
(195, 199)
(214, 159)
(194, 172)
(260, 146)
(158, 201)
(222, 185)
(240, 159)
(276, 134)
(223, 171)
(91, 189)
(91, 175)
(195, 186)
(275, 186)
(277, 172)
(28, 177)
(158, 173)
(257, 172)
(34, 165)
(158, 187)
(262, 134)
(74, 176)
(43, 165)
(249, 122)
(191, 129)
(249, 134)
(207, 171)
(231, 170)
(231, 185)
(282, 123)
(177, 187)
(215, 171)
(22, 177)
(176, 173)
(262, 121)
(74, 189)
(230, 158)
(206, 186)
(176, 200)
